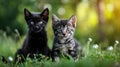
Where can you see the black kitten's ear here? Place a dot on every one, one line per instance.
(55, 19)
(45, 12)
(27, 13)
(73, 20)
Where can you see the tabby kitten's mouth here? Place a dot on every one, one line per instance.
(63, 37)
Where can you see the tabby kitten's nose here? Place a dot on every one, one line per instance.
(64, 34)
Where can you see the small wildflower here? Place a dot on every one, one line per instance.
(95, 46)
(116, 41)
(90, 39)
(10, 58)
(61, 11)
(110, 48)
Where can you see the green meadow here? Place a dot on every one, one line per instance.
(97, 29)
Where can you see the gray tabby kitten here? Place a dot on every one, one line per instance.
(64, 42)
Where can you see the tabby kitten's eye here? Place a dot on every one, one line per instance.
(58, 27)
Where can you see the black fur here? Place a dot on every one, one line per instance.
(36, 40)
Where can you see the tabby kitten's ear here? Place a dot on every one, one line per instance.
(27, 13)
(73, 21)
(45, 13)
(55, 19)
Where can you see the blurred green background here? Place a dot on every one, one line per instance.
(96, 19)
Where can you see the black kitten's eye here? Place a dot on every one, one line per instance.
(32, 22)
(40, 22)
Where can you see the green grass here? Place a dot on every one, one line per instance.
(94, 56)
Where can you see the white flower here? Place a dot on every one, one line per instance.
(116, 41)
(95, 46)
(61, 11)
(90, 39)
(110, 48)
(10, 58)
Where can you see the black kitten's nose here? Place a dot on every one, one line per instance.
(36, 27)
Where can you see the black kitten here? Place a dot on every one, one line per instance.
(36, 40)
(64, 42)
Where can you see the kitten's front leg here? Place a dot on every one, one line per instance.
(56, 55)
(74, 54)
(19, 56)
(57, 59)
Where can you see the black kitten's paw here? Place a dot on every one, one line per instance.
(3, 59)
